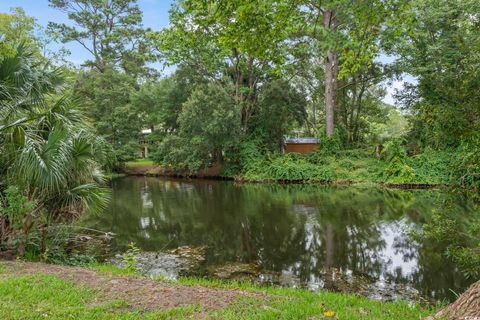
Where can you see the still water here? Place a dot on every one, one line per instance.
(349, 239)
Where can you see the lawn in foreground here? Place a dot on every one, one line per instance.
(43, 296)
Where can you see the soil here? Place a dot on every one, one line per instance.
(139, 293)
(212, 172)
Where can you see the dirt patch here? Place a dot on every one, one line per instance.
(140, 293)
(140, 170)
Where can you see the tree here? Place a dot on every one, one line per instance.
(47, 151)
(16, 28)
(236, 43)
(350, 35)
(281, 109)
(467, 306)
(159, 103)
(107, 100)
(110, 30)
(208, 125)
(360, 102)
(440, 51)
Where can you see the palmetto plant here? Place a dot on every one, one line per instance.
(46, 146)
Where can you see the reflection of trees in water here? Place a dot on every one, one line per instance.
(307, 230)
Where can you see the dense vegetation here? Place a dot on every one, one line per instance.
(241, 85)
(244, 76)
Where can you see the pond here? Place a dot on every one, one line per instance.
(349, 239)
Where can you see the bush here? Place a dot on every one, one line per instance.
(466, 165)
(295, 167)
(432, 166)
(14, 208)
(130, 258)
(397, 169)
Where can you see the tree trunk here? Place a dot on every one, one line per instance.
(467, 306)
(331, 74)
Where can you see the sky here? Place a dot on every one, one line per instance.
(155, 16)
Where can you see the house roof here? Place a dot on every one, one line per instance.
(302, 140)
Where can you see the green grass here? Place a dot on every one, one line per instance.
(140, 163)
(111, 269)
(289, 303)
(48, 297)
(44, 296)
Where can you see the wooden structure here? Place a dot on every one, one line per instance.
(301, 145)
(144, 143)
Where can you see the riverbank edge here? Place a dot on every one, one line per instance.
(253, 301)
(158, 171)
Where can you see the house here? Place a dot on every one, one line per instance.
(144, 143)
(301, 145)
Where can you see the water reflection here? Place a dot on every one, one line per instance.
(308, 235)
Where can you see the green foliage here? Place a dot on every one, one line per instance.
(440, 49)
(16, 28)
(208, 125)
(394, 150)
(281, 109)
(329, 145)
(15, 207)
(329, 163)
(397, 169)
(293, 167)
(56, 244)
(466, 165)
(432, 166)
(107, 99)
(160, 103)
(46, 148)
(130, 258)
(110, 31)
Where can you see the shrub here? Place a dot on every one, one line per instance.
(397, 169)
(15, 207)
(130, 258)
(466, 165)
(431, 166)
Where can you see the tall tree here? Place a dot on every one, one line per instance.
(350, 34)
(107, 100)
(16, 28)
(441, 50)
(239, 42)
(111, 30)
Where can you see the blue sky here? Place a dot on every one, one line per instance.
(155, 16)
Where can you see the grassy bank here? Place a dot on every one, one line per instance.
(358, 166)
(37, 291)
(139, 163)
